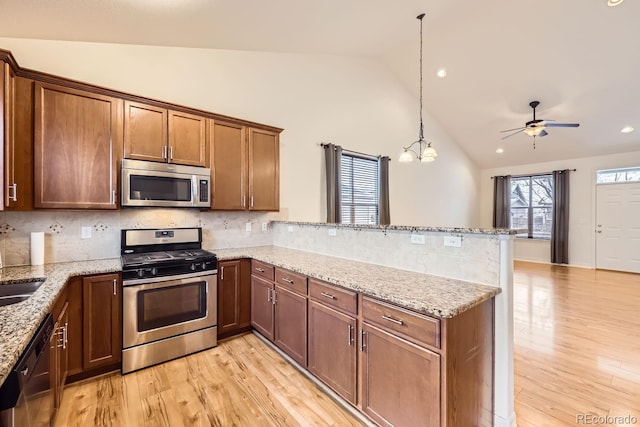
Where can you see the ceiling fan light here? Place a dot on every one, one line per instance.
(405, 157)
(534, 131)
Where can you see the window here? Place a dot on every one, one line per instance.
(359, 176)
(532, 205)
(608, 176)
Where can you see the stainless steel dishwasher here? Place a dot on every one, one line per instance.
(26, 397)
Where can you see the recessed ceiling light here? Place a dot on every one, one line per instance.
(499, 151)
(627, 129)
(614, 2)
(442, 73)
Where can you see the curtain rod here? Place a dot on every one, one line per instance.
(370, 156)
(534, 174)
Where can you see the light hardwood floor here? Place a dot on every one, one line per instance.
(577, 344)
(577, 351)
(241, 382)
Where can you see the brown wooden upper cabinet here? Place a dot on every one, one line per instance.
(245, 168)
(161, 135)
(77, 143)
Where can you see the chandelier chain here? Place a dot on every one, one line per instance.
(421, 133)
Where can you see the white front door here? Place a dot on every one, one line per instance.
(618, 227)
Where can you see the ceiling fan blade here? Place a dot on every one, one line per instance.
(543, 133)
(511, 130)
(514, 133)
(562, 125)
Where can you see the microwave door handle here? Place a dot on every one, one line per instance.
(194, 190)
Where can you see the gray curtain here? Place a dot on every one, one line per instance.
(560, 228)
(332, 156)
(501, 201)
(383, 202)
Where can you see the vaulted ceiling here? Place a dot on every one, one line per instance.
(579, 58)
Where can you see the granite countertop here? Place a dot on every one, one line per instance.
(18, 322)
(432, 295)
(412, 228)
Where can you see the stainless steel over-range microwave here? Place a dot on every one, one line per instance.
(164, 185)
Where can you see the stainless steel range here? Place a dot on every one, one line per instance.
(169, 296)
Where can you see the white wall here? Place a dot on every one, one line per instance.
(582, 219)
(353, 102)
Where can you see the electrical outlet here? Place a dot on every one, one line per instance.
(332, 232)
(265, 225)
(453, 241)
(85, 232)
(247, 226)
(417, 239)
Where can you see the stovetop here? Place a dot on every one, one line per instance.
(159, 257)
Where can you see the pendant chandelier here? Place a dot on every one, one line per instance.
(425, 153)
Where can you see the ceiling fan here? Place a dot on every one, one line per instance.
(537, 127)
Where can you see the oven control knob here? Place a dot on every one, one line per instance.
(141, 273)
(154, 271)
(204, 265)
(193, 267)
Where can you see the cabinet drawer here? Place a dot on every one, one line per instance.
(333, 296)
(413, 326)
(294, 281)
(262, 269)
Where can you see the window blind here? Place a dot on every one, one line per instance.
(359, 189)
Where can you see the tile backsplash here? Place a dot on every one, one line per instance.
(63, 229)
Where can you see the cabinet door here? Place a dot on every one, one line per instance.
(234, 296)
(102, 325)
(18, 147)
(62, 353)
(262, 306)
(77, 135)
(228, 166)
(393, 394)
(291, 324)
(332, 349)
(264, 170)
(145, 132)
(187, 139)
(6, 109)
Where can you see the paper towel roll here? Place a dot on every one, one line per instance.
(37, 248)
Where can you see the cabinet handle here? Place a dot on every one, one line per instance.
(391, 319)
(171, 152)
(113, 197)
(326, 295)
(286, 280)
(25, 371)
(350, 335)
(362, 336)
(13, 197)
(65, 335)
(222, 273)
(261, 270)
(114, 286)
(244, 201)
(268, 294)
(274, 298)
(164, 151)
(252, 200)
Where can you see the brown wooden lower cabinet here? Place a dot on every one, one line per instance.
(102, 324)
(401, 381)
(333, 349)
(234, 297)
(59, 347)
(262, 306)
(290, 323)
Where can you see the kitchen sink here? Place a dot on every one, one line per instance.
(12, 293)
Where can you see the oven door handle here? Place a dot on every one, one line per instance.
(175, 281)
(211, 274)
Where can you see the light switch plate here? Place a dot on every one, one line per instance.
(453, 241)
(417, 239)
(247, 226)
(85, 232)
(332, 231)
